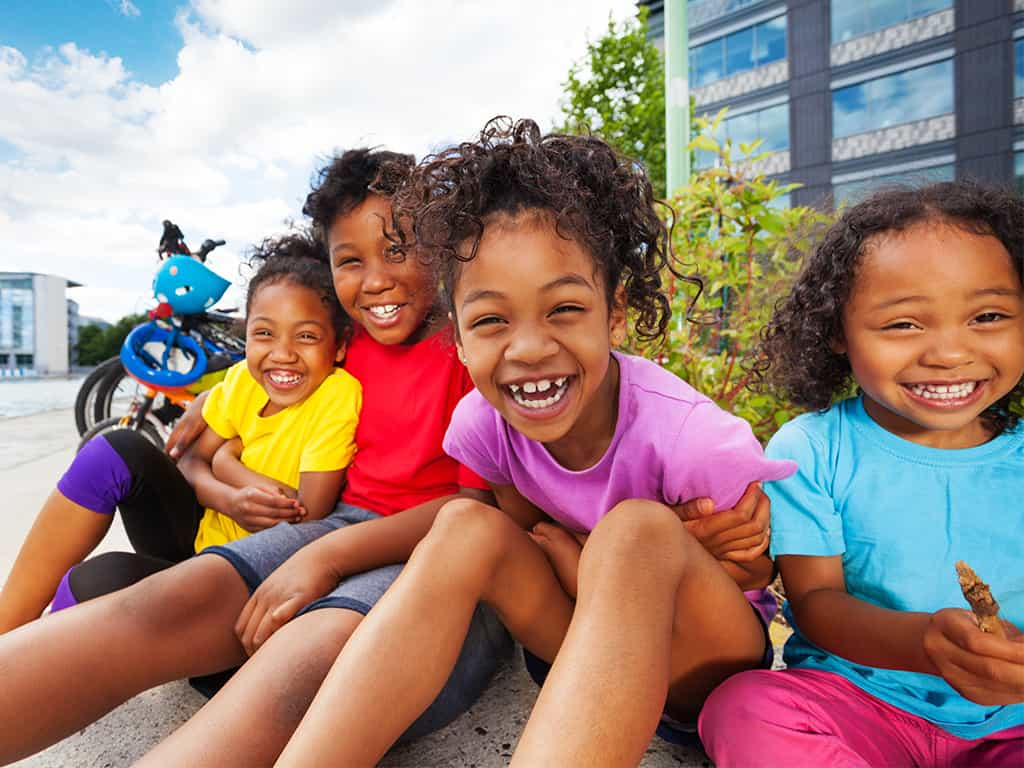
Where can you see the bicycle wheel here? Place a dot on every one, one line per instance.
(85, 399)
(149, 431)
(115, 394)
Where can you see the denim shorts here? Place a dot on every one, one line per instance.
(669, 729)
(257, 556)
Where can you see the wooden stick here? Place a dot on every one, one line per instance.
(977, 593)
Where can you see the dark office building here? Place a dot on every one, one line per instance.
(855, 93)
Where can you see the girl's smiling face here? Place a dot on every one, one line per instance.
(535, 332)
(391, 299)
(290, 345)
(934, 332)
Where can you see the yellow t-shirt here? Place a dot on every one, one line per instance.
(316, 435)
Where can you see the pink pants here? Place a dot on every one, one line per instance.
(803, 717)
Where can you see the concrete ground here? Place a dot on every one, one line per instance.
(35, 449)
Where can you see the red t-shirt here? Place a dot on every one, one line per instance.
(409, 393)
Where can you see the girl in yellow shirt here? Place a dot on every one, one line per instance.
(281, 431)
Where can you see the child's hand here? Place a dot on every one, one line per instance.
(256, 507)
(984, 668)
(562, 548)
(739, 534)
(187, 429)
(298, 581)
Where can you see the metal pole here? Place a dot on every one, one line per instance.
(677, 95)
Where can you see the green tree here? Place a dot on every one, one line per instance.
(97, 344)
(618, 90)
(734, 230)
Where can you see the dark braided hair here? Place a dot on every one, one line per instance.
(795, 354)
(301, 259)
(596, 196)
(348, 179)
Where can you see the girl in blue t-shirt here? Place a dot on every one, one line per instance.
(545, 243)
(914, 297)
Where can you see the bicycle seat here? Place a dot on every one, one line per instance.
(147, 367)
(187, 285)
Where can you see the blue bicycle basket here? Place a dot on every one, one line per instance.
(145, 366)
(187, 285)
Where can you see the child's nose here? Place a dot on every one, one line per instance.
(948, 349)
(377, 278)
(530, 346)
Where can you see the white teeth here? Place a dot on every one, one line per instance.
(384, 311)
(543, 385)
(944, 391)
(281, 377)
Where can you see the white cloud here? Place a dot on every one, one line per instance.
(125, 7)
(264, 91)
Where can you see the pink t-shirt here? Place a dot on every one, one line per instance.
(671, 444)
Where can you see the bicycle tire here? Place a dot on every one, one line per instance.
(85, 399)
(148, 431)
(107, 390)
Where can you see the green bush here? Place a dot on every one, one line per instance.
(733, 229)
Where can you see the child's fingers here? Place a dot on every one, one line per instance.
(745, 554)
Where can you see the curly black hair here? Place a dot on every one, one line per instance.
(795, 355)
(596, 196)
(299, 258)
(346, 181)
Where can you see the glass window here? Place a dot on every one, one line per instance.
(1018, 75)
(771, 41)
(709, 65)
(899, 98)
(852, 192)
(1018, 163)
(740, 51)
(770, 124)
(852, 18)
(23, 359)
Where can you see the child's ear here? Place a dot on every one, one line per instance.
(838, 345)
(461, 352)
(617, 317)
(339, 356)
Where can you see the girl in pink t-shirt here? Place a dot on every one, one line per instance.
(545, 244)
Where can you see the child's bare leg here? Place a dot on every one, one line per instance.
(400, 656)
(71, 668)
(273, 690)
(656, 616)
(716, 632)
(603, 698)
(63, 534)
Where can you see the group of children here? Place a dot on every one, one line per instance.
(539, 484)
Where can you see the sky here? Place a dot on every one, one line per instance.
(118, 114)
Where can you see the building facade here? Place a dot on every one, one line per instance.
(850, 94)
(38, 324)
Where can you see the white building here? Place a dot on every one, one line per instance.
(34, 324)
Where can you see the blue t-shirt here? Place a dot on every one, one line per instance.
(901, 514)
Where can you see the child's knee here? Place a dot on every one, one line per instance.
(638, 529)
(202, 589)
(736, 705)
(468, 525)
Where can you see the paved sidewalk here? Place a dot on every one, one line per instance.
(35, 449)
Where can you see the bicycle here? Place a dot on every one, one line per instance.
(164, 363)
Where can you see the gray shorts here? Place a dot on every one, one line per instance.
(257, 556)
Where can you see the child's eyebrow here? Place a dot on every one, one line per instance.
(994, 291)
(490, 293)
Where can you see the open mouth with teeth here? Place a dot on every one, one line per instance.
(284, 379)
(946, 395)
(539, 394)
(384, 312)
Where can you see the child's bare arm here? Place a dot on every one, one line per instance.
(189, 427)
(563, 549)
(253, 507)
(847, 626)
(317, 568)
(319, 492)
(228, 468)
